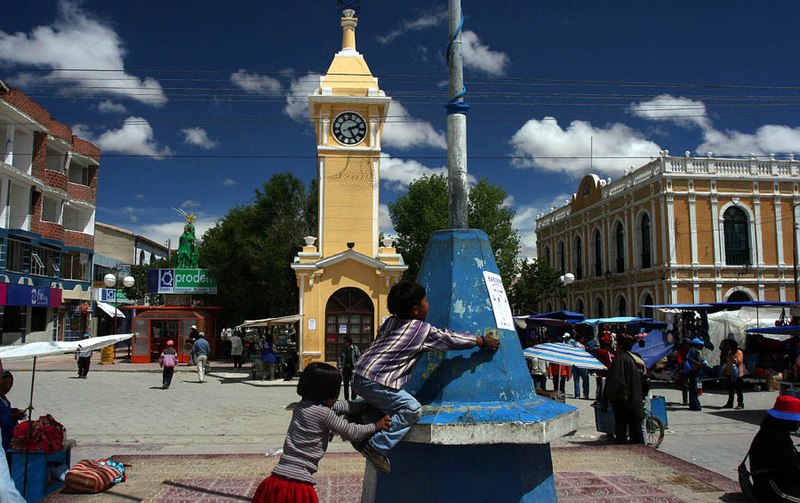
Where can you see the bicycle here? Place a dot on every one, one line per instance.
(653, 427)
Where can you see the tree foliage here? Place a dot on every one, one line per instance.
(536, 282)
(423, 210)
(250, 250)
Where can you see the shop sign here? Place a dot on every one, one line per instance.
(107, 295)
(185, 281)
(24, 295)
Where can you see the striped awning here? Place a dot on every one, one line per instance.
(564, 354)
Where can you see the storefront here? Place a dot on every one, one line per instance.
(153, 326)
(29, 312)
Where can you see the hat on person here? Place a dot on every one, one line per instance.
(201, 334)
(86, 336)
(731, 336)
(566, 335)
(170, 343)
(194, 327)
(786, 407)
(698, 342)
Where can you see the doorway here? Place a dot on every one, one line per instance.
(349, 312)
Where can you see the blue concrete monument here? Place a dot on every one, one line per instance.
(484, 433)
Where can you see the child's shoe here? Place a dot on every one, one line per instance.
(378, 460)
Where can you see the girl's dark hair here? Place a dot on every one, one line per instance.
(319, 382)
(403, 297)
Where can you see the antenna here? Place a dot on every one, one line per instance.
(354, 5)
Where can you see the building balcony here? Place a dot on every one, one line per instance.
(55, 179)
(80, 192)
(78, 239)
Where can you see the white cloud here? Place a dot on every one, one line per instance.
(478, 56)
(160, 233)
(134, 137)
(425, 21)
(679, 110)
(297, 100)
(397, 174)
(77, 39)
(140, 197)
(229, 182)
(385, 221)
(199, 138)
(403, 131)
(616, 147)
(524, 223)
(254, 83)
(190, 203)
(768, 139)
(109, 107)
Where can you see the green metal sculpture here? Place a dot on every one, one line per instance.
(187, 246)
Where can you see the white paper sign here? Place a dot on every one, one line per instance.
(500, 305)
(312, 324)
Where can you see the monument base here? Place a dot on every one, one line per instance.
(466, 473)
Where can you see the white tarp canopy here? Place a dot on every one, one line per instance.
(722, 323)
(57, 348)
(268, 322)
(109, 309)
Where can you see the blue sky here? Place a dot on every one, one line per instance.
(199, 103)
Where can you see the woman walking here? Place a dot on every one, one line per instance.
(734, 371)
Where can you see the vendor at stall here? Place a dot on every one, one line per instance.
(9, 416)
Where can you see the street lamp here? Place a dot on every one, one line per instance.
(112, 281)
(565, 280)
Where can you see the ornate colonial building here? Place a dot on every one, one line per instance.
(344, 274)
(676, 230)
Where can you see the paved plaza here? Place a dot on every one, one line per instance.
(120, 410)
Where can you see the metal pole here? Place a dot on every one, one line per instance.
(456, 124)
(794, 249)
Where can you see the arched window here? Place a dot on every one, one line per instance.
(598, 254)
(579, 306)
(563, 305)
(599, 308)
(548, 308)
(141, 257)
(547, 257)
(619, 241)
(562, 258)
(648, 301)
(737, 236)
(645, 242)
(622, 306)
(739, 296)
(578, 258)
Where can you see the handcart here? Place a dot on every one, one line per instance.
(654, 423)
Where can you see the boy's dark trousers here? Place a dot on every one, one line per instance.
(83, 365)
(166, 376)
(347, 375)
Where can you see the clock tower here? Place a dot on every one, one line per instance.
(343, 273)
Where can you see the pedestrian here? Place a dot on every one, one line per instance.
(580, 376)
(624, 391)
(237, 348)
(538, 369)
(725, 347)
(346, 362)
(314, 419)
(560, 374)
(606, 357)
(84, 358)
(201, 350)
(193, 336)
(8, 491)
(386, 366)
(774, 460)
(168, 361)
(682, 375)
(734, 370)
(291, 365)
(693, 364)
(9, 416)
(268, 358)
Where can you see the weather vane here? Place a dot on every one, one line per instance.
(354, 5)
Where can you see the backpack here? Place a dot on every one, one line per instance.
(44, 434)
(90, 477)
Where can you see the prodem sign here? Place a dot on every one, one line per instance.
(191, 281)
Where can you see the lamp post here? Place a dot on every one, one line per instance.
(112, 281)
(566, 280)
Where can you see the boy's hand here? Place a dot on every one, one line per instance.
(490, 342)
(383, 423)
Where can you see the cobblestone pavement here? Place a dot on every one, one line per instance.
(121, 410)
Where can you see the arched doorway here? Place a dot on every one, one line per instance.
(349, 312)
(739, 296)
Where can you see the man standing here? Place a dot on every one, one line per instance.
(580, 376)
(201, 350)
(236, 350)
(624, 391)
(193, 335)
(84, 358)
(348, 357)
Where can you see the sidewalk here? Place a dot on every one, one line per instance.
(624, 474)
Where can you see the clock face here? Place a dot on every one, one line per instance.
(349, 128)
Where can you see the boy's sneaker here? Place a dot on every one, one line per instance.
(378, 460)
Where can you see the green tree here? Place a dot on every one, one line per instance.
(423, 210)
(536, 282)
(249, 251)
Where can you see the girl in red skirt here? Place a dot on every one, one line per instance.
(313, 420)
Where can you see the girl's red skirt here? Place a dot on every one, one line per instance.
(277, 489)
